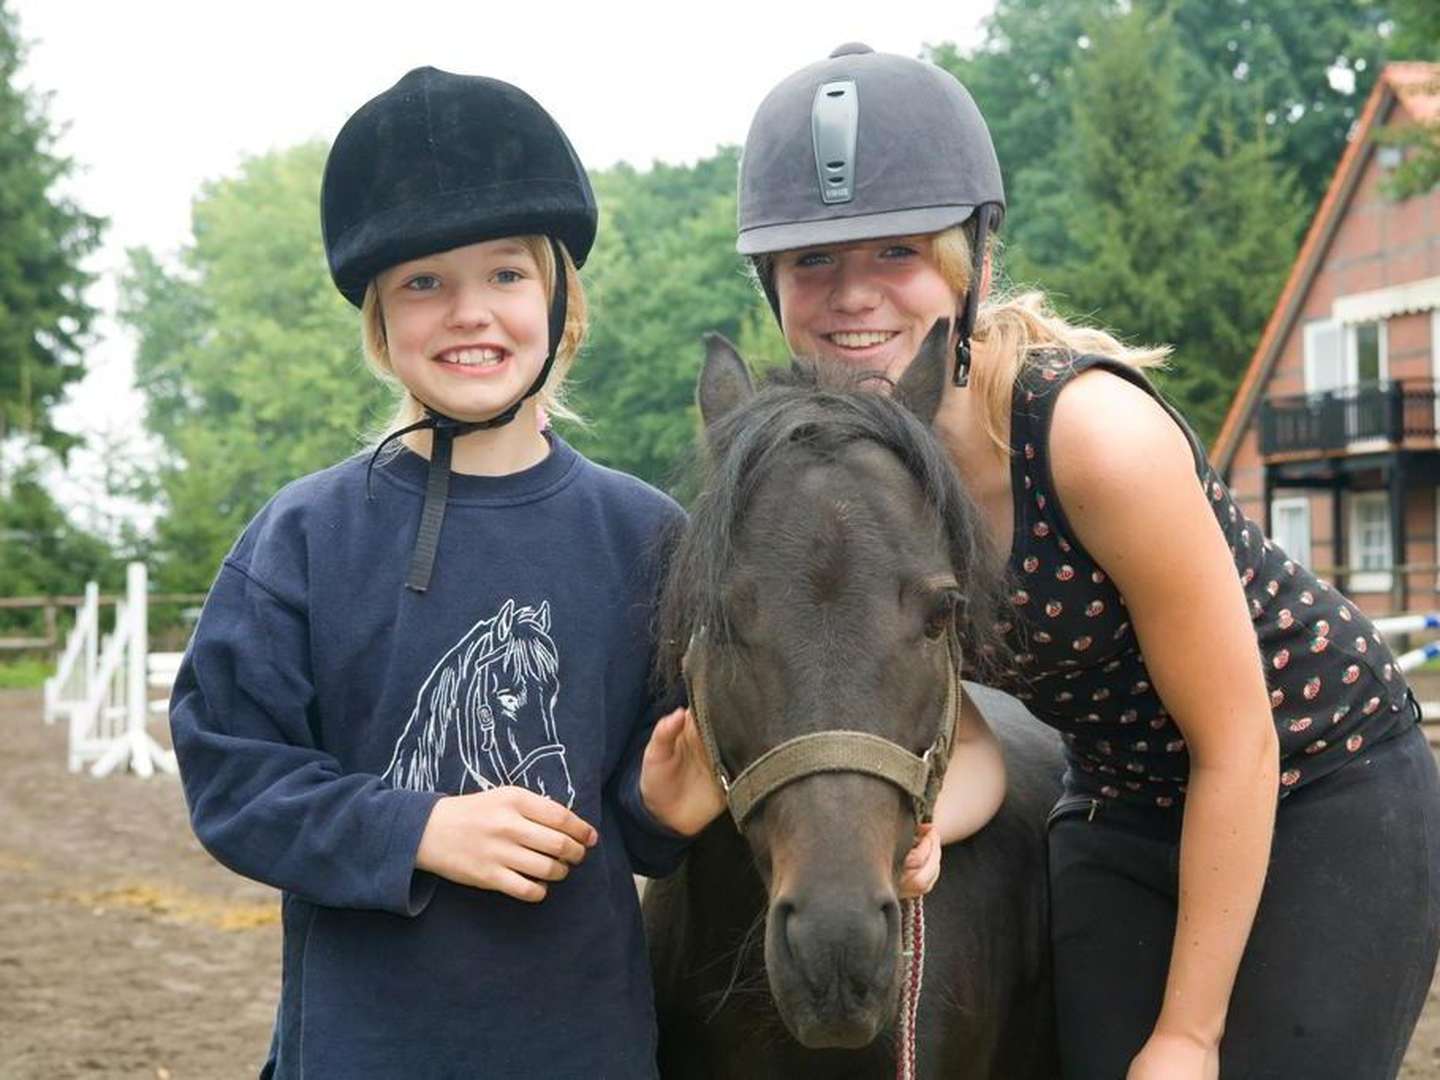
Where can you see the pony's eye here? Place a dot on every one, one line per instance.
(941, 616)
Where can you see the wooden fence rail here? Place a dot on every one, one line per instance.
(51, 606)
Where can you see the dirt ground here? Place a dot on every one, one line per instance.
(126, 951)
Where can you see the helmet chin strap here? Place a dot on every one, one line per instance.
(966, 321)
(447, 429)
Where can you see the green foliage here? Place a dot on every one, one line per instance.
(1166, 238)
(1268, 61)
(1419, 172)
(248, 357)
(1415, 30)
(1147, 192)
(1415, 35)
(43, 239)
(664, 271)
(1265, 61)
(41, 552)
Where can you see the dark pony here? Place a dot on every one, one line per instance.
(831, 554)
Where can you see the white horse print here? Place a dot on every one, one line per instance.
(485, 716)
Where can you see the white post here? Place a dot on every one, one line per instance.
(75, 674)
(136, 683)
(92, 637)
(135, 747)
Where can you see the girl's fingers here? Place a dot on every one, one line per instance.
(548, 812)
(537, 866)
(665, 738)
(923, 847)
(517, 885)
(550, 843)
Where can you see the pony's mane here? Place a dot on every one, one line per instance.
(822, 408)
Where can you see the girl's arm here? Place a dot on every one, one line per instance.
(974, 784)
(1125, 476)
(972, 792)
(265, 797)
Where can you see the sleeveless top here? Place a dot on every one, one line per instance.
(1334, 685)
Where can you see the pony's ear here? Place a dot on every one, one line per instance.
(724, 380)
(923, 383)
(542, 617)
(503, 619)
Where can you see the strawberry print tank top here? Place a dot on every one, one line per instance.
(1334, 686)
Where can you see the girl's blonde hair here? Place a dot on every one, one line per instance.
(551, 396)
(1016, 325)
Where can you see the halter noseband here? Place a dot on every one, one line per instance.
(919, 776)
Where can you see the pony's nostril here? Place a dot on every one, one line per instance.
(782, 913)
(890, 910)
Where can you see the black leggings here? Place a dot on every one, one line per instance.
(1341, 954)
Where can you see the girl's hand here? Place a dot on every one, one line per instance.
(676, 779)
(507, 839)
(922, 865)
(1175, 1057)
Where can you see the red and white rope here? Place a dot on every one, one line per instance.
(912, 973)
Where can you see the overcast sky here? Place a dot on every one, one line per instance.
(160, 95)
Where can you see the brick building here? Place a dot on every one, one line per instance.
(1332, 437)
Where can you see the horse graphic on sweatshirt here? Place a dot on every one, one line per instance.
(485, 716)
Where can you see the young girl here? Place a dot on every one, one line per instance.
(417, 699)
(1196, 672)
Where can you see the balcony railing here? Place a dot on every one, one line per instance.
(1388, 411)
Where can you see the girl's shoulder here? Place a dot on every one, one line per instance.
(276, 539)
(630, 495)
(1074, 404)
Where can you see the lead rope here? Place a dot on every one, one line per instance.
(912, 955)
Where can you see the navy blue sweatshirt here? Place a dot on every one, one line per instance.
(323, 709)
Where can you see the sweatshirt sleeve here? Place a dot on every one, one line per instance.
(654, 850)
(265, 797)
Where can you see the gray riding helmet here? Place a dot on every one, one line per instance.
(864, 145)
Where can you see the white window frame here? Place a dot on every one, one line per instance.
(1313, 329)
(1352, 350)
(1370, 580)
(1300, 553)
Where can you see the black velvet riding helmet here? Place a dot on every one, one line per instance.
(442, 160)
(437, 162)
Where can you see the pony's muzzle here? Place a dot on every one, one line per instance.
(833, 962)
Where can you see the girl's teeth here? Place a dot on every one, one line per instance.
(849, 340)
(473, 357)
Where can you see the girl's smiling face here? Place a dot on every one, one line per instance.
(467, 330)
(869, 303)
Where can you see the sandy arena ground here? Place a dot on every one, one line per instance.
(125, 951)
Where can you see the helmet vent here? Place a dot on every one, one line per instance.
(834, 121)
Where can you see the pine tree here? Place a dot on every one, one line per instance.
(44, 238)
(1168, 225)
